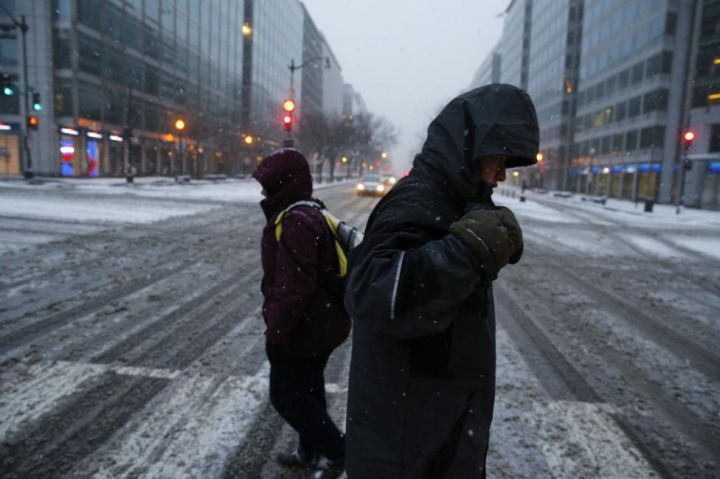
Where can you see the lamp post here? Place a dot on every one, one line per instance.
(293, 67)
(179, 127)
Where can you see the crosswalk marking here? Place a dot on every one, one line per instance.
(196, 423)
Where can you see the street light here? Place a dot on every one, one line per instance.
(384, 155)
(292, 66)
(246, 30)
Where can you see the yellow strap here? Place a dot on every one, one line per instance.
(278, 225)
(342, 259)
(333, 223)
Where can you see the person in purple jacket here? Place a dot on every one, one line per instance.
(303, 310)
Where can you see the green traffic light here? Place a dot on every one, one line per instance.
(8, 91)
(37, 107)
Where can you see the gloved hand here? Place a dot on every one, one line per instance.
(515, 237)
(487, 237)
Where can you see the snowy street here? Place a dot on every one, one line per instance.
(131, 340)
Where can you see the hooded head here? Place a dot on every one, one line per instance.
(494, 120)
(285, 177)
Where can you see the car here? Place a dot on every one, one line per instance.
(388, 180)
(371, 185)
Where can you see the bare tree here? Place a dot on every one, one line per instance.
(365, 135)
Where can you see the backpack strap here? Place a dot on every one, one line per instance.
(332, 222)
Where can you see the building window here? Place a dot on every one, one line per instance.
(90, 13)
(8, 51)
(631, 140)
(63, 97)
(605, 144)
(598, 118)
(652, 137)
(620, 110)
(115, 67)
(623, 78)
(90, 54)
(610, 85)
(618, 142)
(91, 102)
(62, 10)
(113, 22)
(634, 107)
(637, 73)
(655, 101)
(714, 145)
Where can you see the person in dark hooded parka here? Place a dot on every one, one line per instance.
(422, 377)
(303, 310)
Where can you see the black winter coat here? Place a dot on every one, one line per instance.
(424, 334)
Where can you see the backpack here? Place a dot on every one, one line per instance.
(345, 236)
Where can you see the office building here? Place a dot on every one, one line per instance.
(158, 87)
(616, 84)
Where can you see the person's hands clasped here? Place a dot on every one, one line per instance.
(514, 232)
(486, 236)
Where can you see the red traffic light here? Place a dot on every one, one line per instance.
(689, 136)
(287, 119)
(289, 105)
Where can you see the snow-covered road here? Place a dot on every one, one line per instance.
(131, 343)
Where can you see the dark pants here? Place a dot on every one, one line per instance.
(297, 392)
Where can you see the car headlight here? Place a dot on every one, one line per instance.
(360, 187)
(392, 181)
(380, 188)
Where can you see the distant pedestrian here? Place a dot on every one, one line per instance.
(422, 376)
(303, 309)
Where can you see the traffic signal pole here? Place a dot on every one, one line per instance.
(23, 27)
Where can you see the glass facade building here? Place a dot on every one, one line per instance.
(128, 70)
(552, 84)
(115, 77)
(703, 184)
(629, 97)
(615, 84)
(515, 42)
(277, 39)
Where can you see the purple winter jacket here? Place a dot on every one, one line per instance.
(303, 294)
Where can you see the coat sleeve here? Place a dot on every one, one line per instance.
(412, 292)
(295, 277)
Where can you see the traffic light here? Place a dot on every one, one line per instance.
(289, 107)
(6, 85)
(37, 106)
(688, 138)
(32, 122)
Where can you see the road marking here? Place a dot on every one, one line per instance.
(197, 422)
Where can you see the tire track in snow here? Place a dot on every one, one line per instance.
(653, 434)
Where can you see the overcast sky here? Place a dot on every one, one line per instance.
(408, 58)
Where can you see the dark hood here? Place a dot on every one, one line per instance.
(285, 176)
(496, 119)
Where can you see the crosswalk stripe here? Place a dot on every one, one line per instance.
(193, 426)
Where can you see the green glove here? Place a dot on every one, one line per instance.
(515, 237)
(483, 232)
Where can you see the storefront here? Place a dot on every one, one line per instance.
(10, 162)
